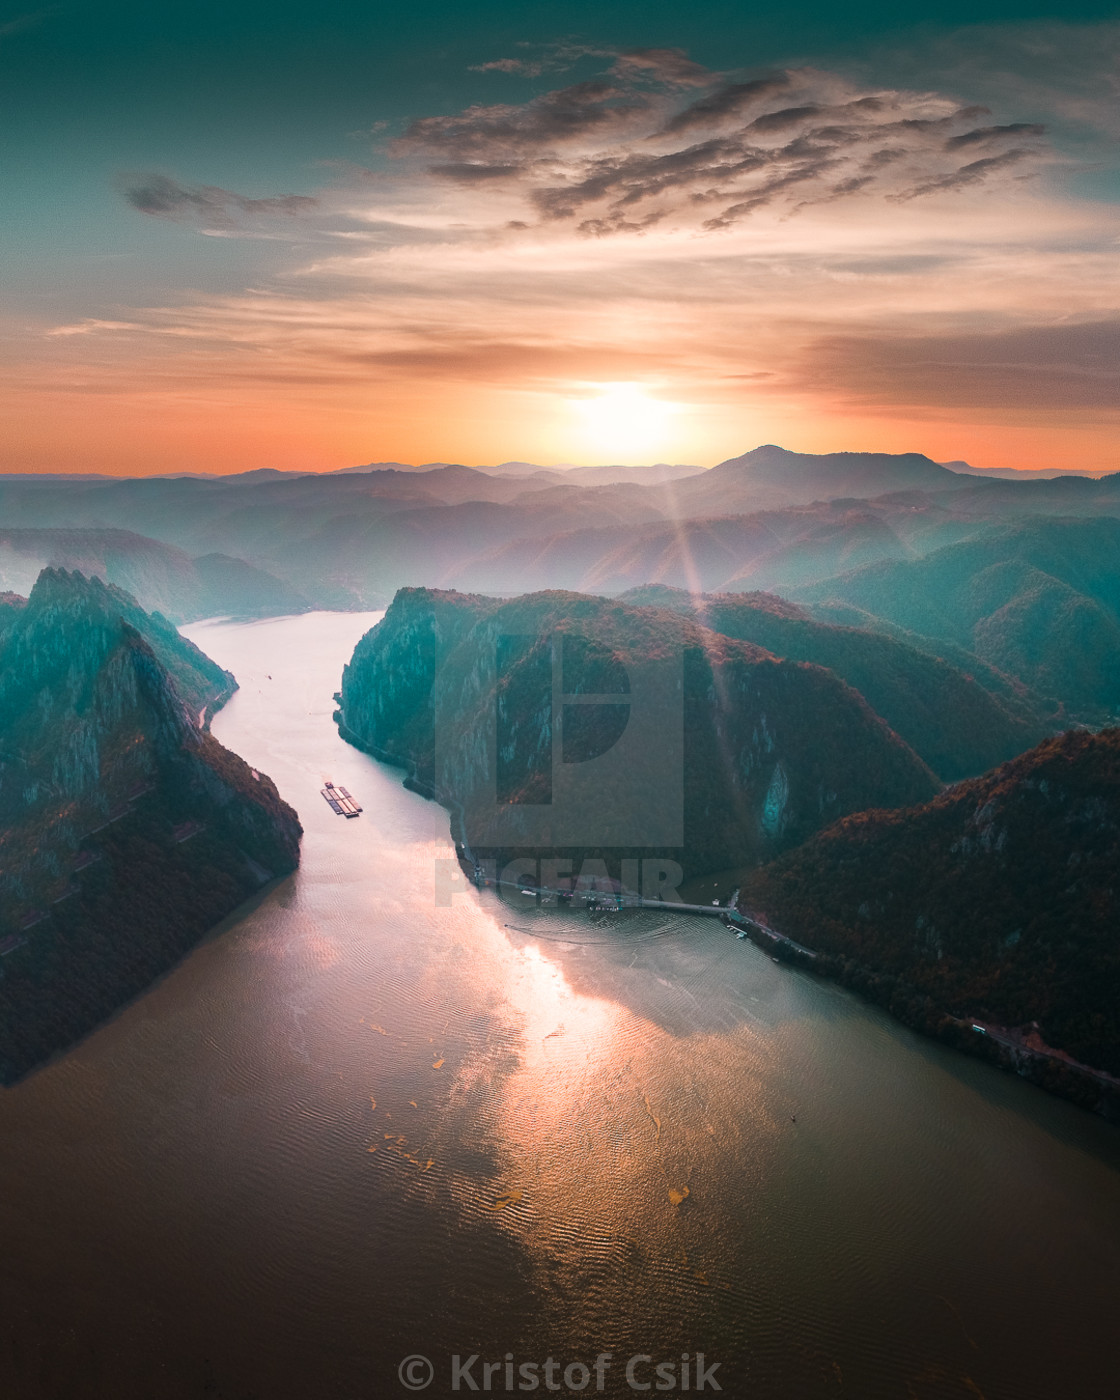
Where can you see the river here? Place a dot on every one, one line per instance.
(356, 1126)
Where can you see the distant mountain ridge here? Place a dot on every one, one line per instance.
(160, 576)
(768, 519)
(1012, 474)
(771, 476)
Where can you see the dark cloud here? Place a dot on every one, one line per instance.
(167, 199)
(726, 103)
(1073, 366)
(975, 173)
(614, 154)
(553, 121)
(988, 135)
(783, 120)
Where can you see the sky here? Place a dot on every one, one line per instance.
(243, 235)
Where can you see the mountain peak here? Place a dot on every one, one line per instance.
(776, 476)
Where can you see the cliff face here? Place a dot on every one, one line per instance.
(127, 831)
(999, 901)
(770, 750)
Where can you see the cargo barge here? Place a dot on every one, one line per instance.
(340, 801)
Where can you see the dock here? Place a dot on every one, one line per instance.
(340, 801)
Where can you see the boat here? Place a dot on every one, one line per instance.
(741, 933)
(340, 801)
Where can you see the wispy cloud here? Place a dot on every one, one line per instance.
(165, 198)
(555, 57)
(92, 324)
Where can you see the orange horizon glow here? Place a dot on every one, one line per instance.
(147, 435)
(414, 317)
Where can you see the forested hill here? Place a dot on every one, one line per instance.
(772, 749)
(126, 831)
(956, 725)
(1039, 599)
(999, 900)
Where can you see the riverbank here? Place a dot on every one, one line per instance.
(1011, 1049)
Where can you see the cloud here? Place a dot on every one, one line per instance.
(672, 67)
(620, 153)
(92, 325)
(727, 101)
(636, 226)
(974, 173)
(468, 173)
(1069, 366)
(521, 67)
(554, 121)
(1065, 73)
(989, 135)
(164, 198)
(556, 57)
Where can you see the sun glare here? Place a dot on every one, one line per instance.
(623, 420)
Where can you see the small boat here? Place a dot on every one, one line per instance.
(741, 933)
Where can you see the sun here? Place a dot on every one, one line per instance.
(623, 420)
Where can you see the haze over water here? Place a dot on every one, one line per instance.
(355, 1126)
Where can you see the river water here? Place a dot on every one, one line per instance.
(356, 1126)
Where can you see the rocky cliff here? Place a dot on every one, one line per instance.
(517, 710)
(127, 830)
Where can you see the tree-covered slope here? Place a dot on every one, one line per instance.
(999, 900)
(957, 726)
(772, 749)
(1040, 599)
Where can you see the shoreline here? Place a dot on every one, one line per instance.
(1049, 1069)
(1005, 1047)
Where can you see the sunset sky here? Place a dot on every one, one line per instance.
(241, 235)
